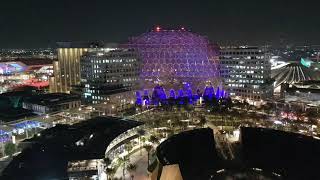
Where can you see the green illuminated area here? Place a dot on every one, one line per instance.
(306, 62)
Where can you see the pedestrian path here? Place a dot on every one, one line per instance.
(140, 160)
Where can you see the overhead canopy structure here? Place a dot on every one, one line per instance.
(293, 73)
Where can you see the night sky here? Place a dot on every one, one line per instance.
(40, 23)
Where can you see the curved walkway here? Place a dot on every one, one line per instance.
(141, 162)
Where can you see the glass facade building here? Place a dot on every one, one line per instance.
(246, 72)
(67, 67)
(106, 71)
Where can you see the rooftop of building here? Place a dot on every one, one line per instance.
(264, 153)
(308, 82)
(49, 155)
(242, 48)
(108, 52)
(292, 155)
(30, 61)
(292, 73)
(94, 44)
(295, 89)
(191, 149)
(12, 114)
(16, 93)
(172, 36)
(51, 98)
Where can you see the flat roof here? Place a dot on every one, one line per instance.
(50, 153)
(79, 44)
(194, 151)
(51, 98)
(31, 61)
(12, 114)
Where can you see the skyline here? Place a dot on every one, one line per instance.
(169, 89)
(36, 23)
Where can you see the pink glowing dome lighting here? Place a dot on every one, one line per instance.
(176, 57)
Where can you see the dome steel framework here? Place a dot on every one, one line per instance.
(171, 58)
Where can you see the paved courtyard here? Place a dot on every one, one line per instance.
(141, 162)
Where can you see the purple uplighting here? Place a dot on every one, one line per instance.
(173, 57)
(159, 95)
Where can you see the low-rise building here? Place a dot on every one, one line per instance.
(49, 103)
(306, 94)
(84, 168)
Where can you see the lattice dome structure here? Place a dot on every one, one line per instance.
(171, 58)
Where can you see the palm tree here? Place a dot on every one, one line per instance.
(141, 133)
(123, 161)
(202, 121)
(143, 140)
(131, 168)
(180, 125)
(156, 123)
(107, 161)
(153, 139)
(148, 149)
(128, 147)
(110, 172)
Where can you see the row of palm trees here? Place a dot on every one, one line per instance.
(123, 161)
(131, 168)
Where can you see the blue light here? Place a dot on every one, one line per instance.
(27, 125)
(208, 92)
(218, 93)
(182, 96)
(158, 95)
(222, 94)
(139, 99)
(180, 93)
(172, 94)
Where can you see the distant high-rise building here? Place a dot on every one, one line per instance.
(246, 72)
(106, 71)
(67, 67)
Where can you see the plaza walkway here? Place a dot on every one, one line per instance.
(141, 162)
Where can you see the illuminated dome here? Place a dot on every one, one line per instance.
(172, 58)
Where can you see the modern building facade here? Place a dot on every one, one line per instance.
(107, 71)
(67, 67)
(246, 72)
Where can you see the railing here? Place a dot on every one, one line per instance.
(122, 137)
(73, 169)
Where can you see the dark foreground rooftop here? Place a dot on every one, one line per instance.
(194, 151)
(261, 154)
(51, 98)
(49, 153)
(11, 114)
(292, 155)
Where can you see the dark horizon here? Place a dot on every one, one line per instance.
(38, 23)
